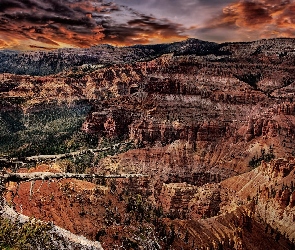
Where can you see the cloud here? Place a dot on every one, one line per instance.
(2, 44)
(52, 22)
(251, 20)
(43, 39)
(185, 12)
(40, 47)
(142, 29)
(59, 23)
(55, 23)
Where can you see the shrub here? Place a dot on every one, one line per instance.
(29, 235)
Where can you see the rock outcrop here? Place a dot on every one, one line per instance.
(270, 186)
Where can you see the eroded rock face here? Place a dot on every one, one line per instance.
(175, 197)
(109, 123)
(206, 202)
(151, 132)
(271, 188)
(278, 169)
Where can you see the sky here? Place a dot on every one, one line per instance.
(50, 24)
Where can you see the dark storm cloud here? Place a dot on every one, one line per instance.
(7, 4)
(143, 29)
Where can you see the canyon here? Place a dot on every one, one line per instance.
(207, 129)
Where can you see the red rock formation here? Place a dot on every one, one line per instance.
(195, 121)
(175, 197)
(270, 186)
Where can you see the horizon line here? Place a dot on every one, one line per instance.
(48, 49)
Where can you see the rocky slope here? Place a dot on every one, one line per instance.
(236, 213)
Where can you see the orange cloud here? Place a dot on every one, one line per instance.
(256, 19)
(3, 44)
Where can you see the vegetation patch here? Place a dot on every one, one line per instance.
(29, 235)
(266, 156)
